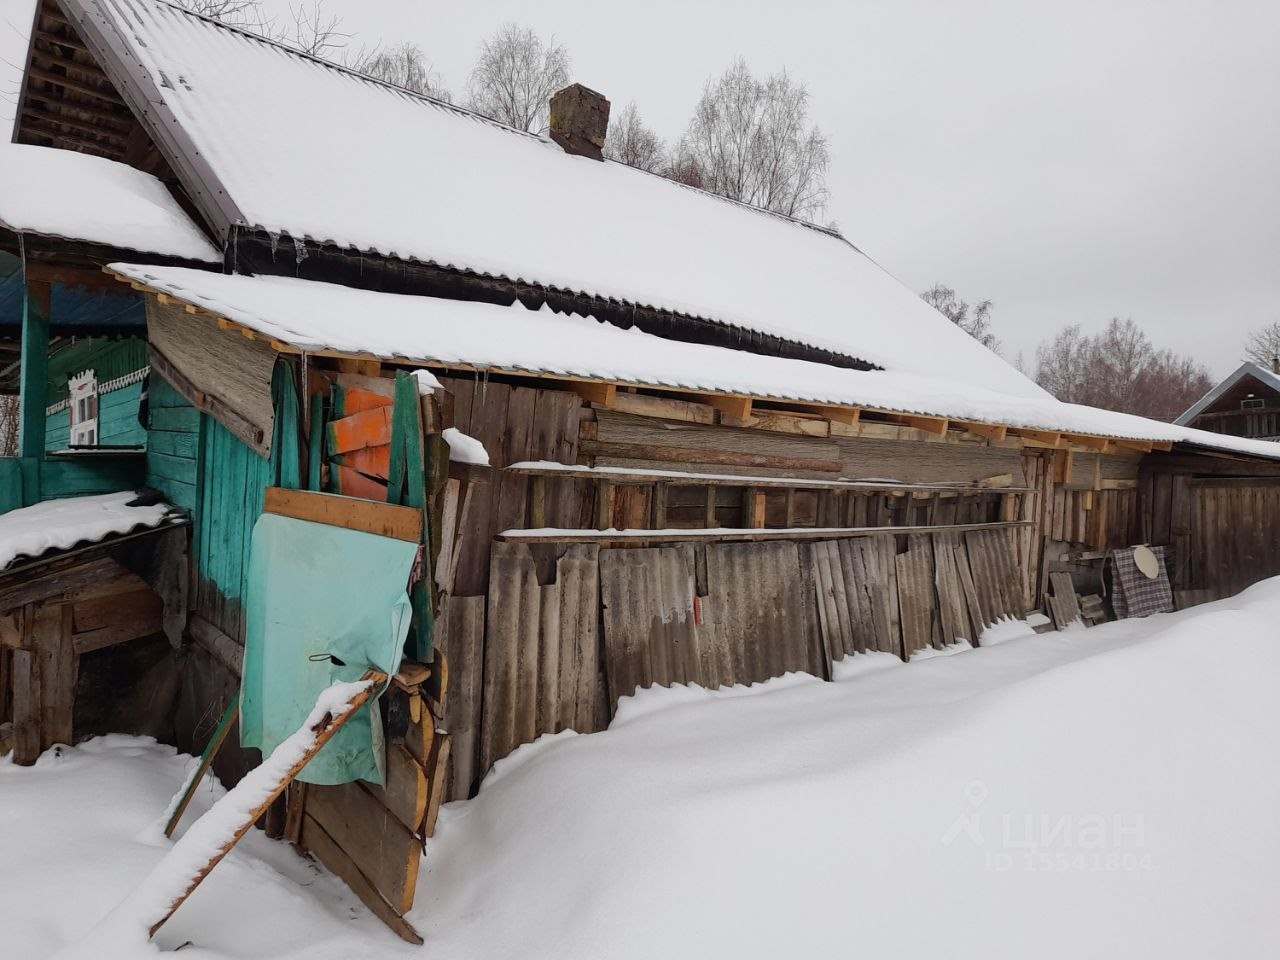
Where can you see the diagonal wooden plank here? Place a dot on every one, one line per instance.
(257, 791)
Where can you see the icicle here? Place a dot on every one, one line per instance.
(299, 250)
(275, 242)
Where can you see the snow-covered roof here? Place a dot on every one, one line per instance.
(291, 145)
(314, 317)
(1246, 369)
(75, 196)
(63, 524)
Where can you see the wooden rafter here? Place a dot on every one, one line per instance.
(101, 93)
(992, 431)
(1040, 438)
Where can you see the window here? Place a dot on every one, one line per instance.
(83, 388)
(1253, 403)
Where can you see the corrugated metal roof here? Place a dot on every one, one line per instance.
(316, 317)
(276, 140)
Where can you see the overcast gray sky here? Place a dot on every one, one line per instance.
(1072, 161)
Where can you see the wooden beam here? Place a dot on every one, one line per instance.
(94, 281)
(933, 425)
(324, 731)
(34, 368)
(992, 431)
(1088, 440)
(621, 475)
(47, 76)
(76, 123)
(736, 407)
(637, 451)
(1142, 446)
(1040, 438)
(664, 408)
(605, 394)
(644, 538)
(380, 519)
(849, 416)
(1062, 466)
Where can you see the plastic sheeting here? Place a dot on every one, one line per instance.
(324, 604)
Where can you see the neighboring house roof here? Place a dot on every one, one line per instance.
(314, 317)
(1246, 369)
(267, 138)
(78, 197)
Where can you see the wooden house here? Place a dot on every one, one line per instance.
(642, 435)
(1245, 404)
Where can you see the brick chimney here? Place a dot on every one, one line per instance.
(580, 121)
(1275, 364)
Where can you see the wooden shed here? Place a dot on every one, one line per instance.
(640, 434)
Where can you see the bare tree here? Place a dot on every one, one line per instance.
(515, 76)
(1120, 369)
(246, 14)
(750, 140)
(1263, 346)
(633, 143)
(311, 28)
(974, 320)
(315, 31)
(405, 66)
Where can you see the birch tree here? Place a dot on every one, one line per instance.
(631, 142)
(1120, 369)
(403, 65)
(515, 76)
(750, 139)
(974, 319)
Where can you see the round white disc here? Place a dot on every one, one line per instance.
(1145, 560)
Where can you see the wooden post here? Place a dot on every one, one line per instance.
(659, 521)
(34, 372)
(605, 493)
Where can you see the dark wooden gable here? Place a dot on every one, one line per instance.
(69, 102)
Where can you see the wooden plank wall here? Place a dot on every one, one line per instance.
(514, 424)
(618, 435)
(1234, 535)
(560, 650)
(541, 650)
(173, 438)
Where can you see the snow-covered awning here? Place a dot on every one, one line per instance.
(310, 317)
(288, 144)
(62, 524)
(76, 196)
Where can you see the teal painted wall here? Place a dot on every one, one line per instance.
(117, 421)
(205, 469)
(173, 444)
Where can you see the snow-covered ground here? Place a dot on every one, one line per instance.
(1112, 792)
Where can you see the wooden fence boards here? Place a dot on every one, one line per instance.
(756, 603)
(541, 647)
(460, 637)
(916, 595)
(648, 599)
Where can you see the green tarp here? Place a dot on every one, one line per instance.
(319, 594)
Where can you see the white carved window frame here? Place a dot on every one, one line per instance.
(83, 397)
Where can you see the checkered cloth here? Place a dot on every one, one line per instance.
(1133, 595)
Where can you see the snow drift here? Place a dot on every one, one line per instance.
(1104, 792)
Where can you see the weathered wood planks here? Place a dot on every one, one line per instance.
(541, 672)
(382, 519)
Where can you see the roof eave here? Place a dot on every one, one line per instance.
(144, 98)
